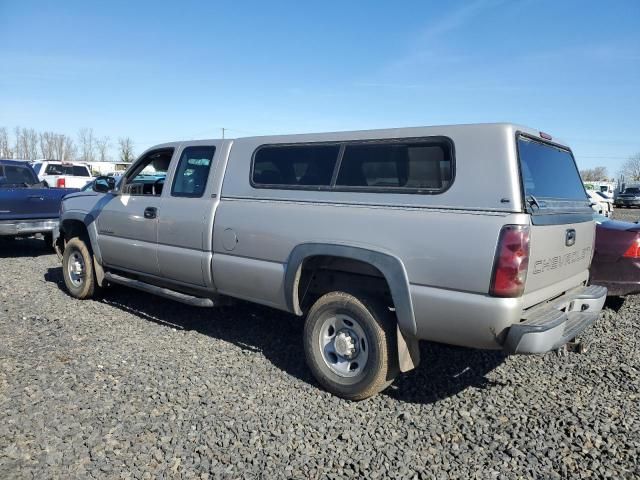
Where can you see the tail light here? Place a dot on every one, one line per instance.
(61, 183)
(634, 249)
(511, 262)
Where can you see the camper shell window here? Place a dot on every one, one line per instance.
(424, 165)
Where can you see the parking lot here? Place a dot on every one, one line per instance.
(135, 386)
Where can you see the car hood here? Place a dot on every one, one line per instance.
(87, 193)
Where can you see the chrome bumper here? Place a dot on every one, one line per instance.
(549, 326)
(27, 227)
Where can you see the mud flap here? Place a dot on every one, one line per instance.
(99, 272)
(408, 351)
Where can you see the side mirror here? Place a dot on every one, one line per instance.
(104, 184)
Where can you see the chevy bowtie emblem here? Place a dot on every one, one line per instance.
(570, 239)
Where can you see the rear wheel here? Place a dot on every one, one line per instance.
(77, 269)
(349, 345)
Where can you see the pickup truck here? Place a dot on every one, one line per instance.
(62, 174)
(27, 207)
(377, 238)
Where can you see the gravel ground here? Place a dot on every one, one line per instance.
(134, 386)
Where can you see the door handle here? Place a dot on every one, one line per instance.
(150, 212)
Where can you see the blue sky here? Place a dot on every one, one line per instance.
(160, 71)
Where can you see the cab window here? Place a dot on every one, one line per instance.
(148, 175)
(193, 171)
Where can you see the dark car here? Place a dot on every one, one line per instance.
(26, 205)
(616, 262)
(629, 198)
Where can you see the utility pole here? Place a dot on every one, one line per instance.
(223, 129)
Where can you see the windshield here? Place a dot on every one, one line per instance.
(11, 175)
(549, 172)
(631, 190)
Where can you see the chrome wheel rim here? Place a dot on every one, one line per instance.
(76, 269)
(344, 345)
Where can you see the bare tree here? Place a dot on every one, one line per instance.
(126, 149)
(47, 145)
(26, 143)
(631, 168)
(594, 174)
(5, 148)
(17, 145)
(69, 148)
(102, 146)
(86, 143)
(63, 148)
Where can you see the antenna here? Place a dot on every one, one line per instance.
(223, 129)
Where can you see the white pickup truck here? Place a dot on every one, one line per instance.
(62, 174)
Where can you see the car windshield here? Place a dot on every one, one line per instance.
(549, 172)
(632, 190)
(12, 175)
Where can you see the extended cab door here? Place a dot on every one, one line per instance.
(185, 223)
(128, 221)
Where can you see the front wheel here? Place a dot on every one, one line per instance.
(77, 269)
(349, 345)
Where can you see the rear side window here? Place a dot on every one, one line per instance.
(37, 167)
(192, 172)
(413, 166)
(53, 169)
(80, 171)
(16, 175)
(548, 172)
(293, 165)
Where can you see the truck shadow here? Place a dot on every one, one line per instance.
(444, 371)
(23, 247)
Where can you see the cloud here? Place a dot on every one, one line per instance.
(427, 47)
(457, 18)
(42, 68)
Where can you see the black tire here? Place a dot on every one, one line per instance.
(48, 240)
(378, 326)
(86, 286)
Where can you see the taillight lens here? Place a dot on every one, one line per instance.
(511, 263)
(634, 249)
(61, 183)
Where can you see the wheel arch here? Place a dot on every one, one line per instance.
(391, 268)
(77, 223)
(393, 272)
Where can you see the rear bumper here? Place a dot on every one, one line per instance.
(549, 326)
(27, 227)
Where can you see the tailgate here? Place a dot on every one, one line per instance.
(558, 252)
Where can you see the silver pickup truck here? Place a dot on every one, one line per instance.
(472, 235)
